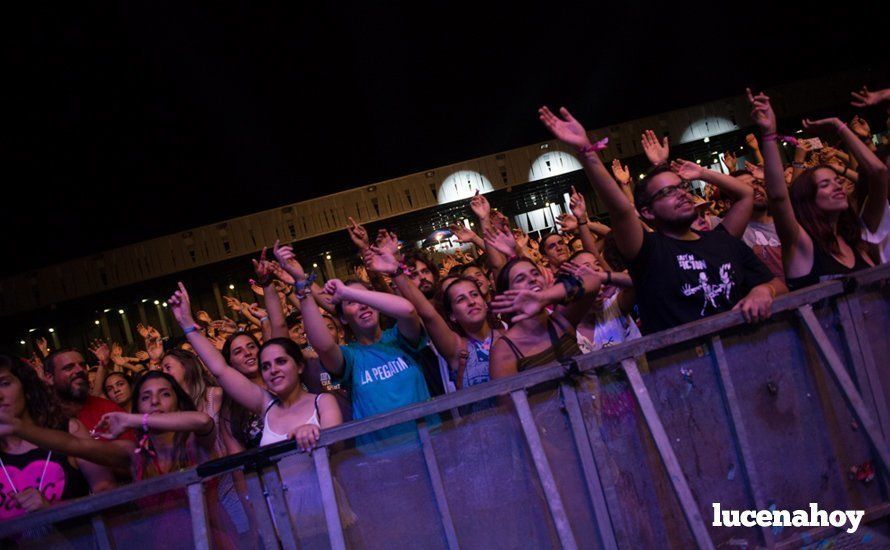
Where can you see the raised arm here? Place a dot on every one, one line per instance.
(242, 390)
(523, 304)
(627, 228)
(875, 170)
(98, 452)
(388, 304)
(797, 246)
(579, 210)
(480, 207)
(657, 153)
(266, 275)
(865, 98)
(739, 214)
(103, 354)
(447, 342)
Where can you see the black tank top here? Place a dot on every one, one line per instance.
(825, 268)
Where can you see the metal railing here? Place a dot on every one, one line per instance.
(855, 369)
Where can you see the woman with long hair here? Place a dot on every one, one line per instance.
(287, 410)
(543, 316)
(465, 344)
(820, 231)
(33, 476)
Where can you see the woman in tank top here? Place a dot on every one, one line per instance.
(287, 409)
(538, 336)
(32, 477)
(820, 231)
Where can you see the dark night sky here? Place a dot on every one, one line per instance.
(126, 123)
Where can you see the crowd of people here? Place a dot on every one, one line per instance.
(313, 355)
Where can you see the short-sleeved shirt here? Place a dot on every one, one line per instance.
(93, 410)
(678, 281)
(381, 377)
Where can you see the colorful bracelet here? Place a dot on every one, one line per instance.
(597, 146)
(189, 330)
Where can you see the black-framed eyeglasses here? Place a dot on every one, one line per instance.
(670, 191)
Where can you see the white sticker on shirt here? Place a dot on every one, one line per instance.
(715, 295)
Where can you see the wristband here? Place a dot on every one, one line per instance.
(768, 137)
(608, 277)
(799, 165)
(403, 269)
(264, 282)
(582, 222)
(145, 422)
(842, 127)
(189, 330)
(597, 146)
(573, 286)
(264, 319)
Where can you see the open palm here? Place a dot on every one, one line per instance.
(565, 129)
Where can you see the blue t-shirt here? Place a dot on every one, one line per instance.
(381, 377)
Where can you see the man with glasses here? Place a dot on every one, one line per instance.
(679, 274)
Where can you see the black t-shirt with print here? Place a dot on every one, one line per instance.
(681, 281)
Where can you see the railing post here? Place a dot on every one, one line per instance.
(261, 509)
(589, 467)
(198, 512)
(850, 311)
(545, 474)
(671, 464)
(287, 534)
(432, 468)
(100, 532)
(836, 368)
(329, 498)
(737, 426)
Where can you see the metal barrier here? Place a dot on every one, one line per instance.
(603, 452)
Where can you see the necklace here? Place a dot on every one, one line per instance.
(42, 475)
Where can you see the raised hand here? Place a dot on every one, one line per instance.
(865, 98)
(257, 311)
(751, 142)
(479, 205)
(142, 355)
(578, 206)
(227, 326)
(285, 256)
(621, 173)
(101, 351)
(687, 170)
(388, 241)
(181, 307)
(279, 273)
(358, 234)
(755, 170)
(519, 235)
(523, 304)
(501, 240)
(656, 152)
(463, 234)
(335, 289)
(117, 351)
(567, 223)
(380, 260)
(860, 127)
(499, 220)
(823, 124)
(42, 345)
(565, 129)
(730, 161)
(762, 114)
(143, 331)
(232, 303)
(263, 268)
